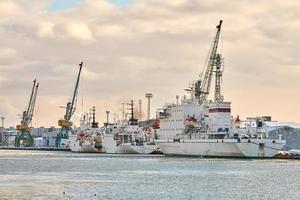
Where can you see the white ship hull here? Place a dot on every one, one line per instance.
(109, 143)
(84, 147)
(128, 148)
(255, 148)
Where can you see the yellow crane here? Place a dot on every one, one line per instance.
(24, 137)
(65, 123)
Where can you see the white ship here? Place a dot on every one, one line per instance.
(199, 127)
(131, 139)
(89, 137)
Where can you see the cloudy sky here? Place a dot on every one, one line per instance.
(130, 47)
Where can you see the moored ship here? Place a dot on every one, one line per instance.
(200, 127)
(89, 138)
(131, 139)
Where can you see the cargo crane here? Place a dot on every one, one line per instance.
(24, 137)
(65, 123)
(213, 65)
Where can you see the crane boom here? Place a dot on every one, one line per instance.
(207, 77)
(28, 114)
(32, 105)
(72, 105)
(31, 97)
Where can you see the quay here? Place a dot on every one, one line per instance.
(35, 148)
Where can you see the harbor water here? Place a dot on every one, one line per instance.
(65, 175)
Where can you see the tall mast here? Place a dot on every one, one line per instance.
(131, 104)
(93, 113)
(209, 69)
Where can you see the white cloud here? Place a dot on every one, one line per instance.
(149, 45)
(79, 31)
(46, 29)
(8, 8)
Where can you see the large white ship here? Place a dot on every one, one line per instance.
(197, 126)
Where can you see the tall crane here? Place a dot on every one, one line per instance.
(24, 137)
(65, 123)
(213, 65)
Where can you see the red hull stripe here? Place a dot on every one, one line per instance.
(220, 110)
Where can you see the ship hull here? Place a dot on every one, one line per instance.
(131, 149)
(86, 147)
(109, 143)
(222, 148)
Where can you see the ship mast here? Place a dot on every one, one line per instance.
(131, 104)
(94, 123)
(213, 65)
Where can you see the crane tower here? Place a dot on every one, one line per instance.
(65, 123)
(24, 137)
(213, 65)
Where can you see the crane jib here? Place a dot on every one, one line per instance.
(209, 69)
(72, 107)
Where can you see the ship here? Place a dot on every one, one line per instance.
(132, 139)
(89, 137)
(197, 126)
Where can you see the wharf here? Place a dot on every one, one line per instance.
(35, 148)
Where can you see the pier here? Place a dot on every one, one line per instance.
(35, 148)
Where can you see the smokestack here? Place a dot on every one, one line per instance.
(177, 99)
(148, 96)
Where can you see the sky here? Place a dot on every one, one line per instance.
(133, 47)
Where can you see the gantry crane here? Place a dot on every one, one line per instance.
(213, 65)
(24, 137)
(65, 123)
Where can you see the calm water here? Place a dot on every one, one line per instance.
(61, 175)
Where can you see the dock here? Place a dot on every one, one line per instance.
(35, 148)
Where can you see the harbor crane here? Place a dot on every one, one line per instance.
(24, 137)
(65, 123)
(213, 65)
